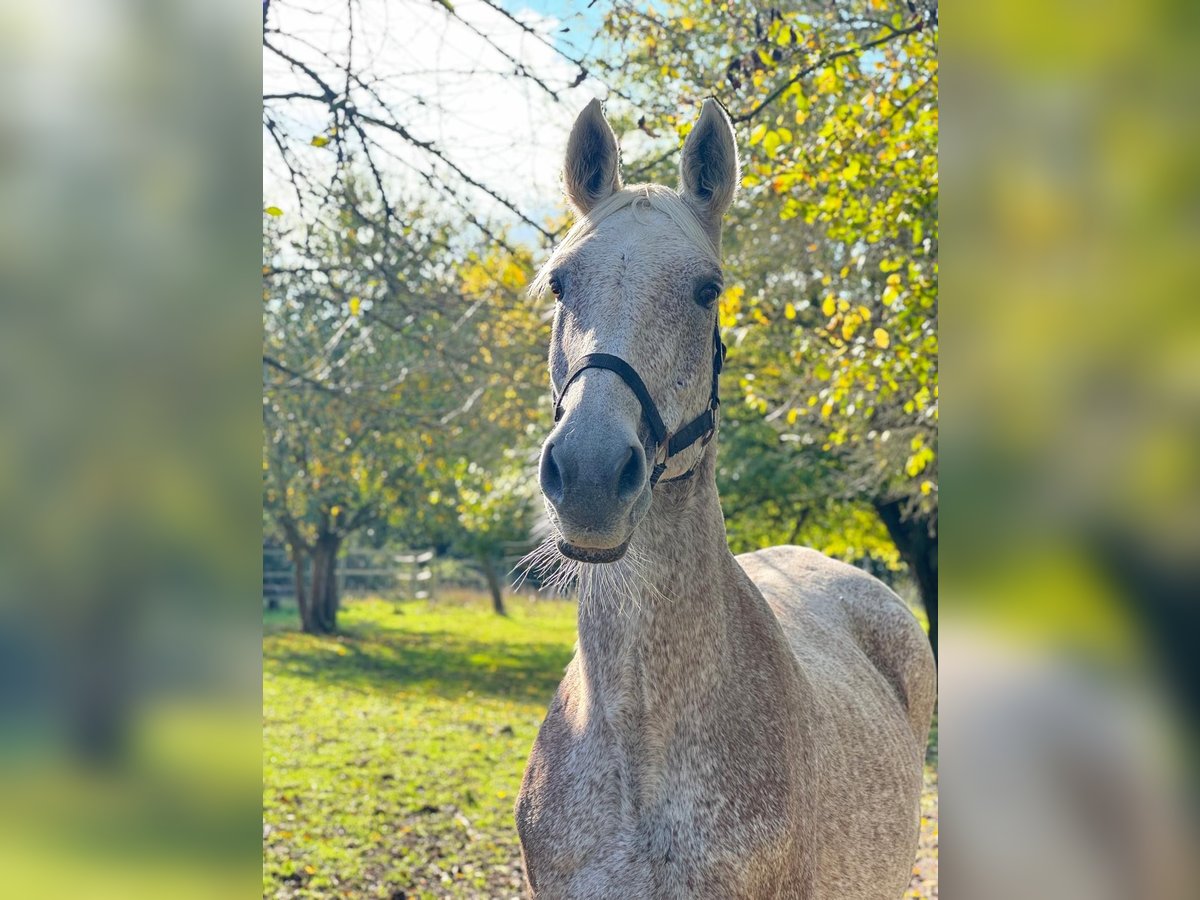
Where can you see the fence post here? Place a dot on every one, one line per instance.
(417, 573)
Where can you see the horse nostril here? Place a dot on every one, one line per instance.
(551, 476)
(633, 474)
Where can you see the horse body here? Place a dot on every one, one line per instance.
(750, 727)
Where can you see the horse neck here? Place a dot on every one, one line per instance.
(653, 626)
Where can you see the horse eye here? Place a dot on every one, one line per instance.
(708, 294)
(555, 286)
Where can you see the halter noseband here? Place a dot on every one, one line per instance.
(701, 428)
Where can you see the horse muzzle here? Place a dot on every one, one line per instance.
(596, 484)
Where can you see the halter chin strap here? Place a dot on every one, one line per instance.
(702, 428)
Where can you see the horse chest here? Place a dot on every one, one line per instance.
(595, 822)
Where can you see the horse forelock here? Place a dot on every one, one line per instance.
(641, 196)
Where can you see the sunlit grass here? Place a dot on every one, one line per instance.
(393, 752)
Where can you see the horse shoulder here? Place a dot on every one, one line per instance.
(836, 615)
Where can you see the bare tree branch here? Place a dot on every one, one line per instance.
(825, 60)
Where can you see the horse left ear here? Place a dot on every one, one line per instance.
(708, 166)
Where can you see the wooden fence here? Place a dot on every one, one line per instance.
(408, 574)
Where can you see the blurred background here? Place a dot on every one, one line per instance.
(356, 520)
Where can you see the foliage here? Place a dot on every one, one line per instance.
(349, 370)
(403, 365)
(495, 492)
(831, 252)
(397, 372)
(772, 495)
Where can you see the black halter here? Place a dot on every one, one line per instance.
(701, 428)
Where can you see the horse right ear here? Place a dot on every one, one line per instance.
(708, 165)
(592, 172)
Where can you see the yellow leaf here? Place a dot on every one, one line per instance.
(789, 311)
(829, 306)
(881, 338)
(889, 295)
(926, 486)
(893, 280)
(273, 211)
(757, 134)
(827, 81)
(319, 140)
(334, 510)
(355, 304)
(729, 305)
(687, 23)
(792, 415)
(826, 409)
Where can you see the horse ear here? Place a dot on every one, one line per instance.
(592, 170)
(708, 167)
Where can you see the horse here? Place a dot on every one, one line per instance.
(729, 727)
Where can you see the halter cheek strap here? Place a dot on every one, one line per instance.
(701, 428)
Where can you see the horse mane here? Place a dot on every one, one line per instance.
(638, 196)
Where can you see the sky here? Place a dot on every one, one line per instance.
(447, 85)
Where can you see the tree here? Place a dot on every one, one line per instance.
(773, 496)
(333, 325)
(396, 369)
(832, 256)
(494, 510)
(339, 102)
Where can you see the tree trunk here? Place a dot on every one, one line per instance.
(299, 552)
(493, 580)
(916, 539)
(323, 596)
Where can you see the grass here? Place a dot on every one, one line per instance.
(392, 752)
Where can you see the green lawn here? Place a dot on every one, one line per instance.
(392, 753)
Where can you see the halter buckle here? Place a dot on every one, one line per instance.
(715, 406)
(662, 452)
